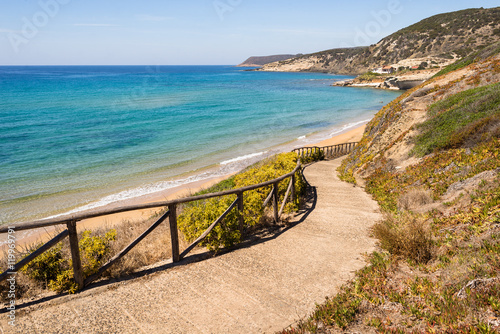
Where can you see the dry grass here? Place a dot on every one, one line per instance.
(154, 248)
(415, 199)
(405, 236)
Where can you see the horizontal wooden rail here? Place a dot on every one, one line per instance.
(329, 152)
(105, 212)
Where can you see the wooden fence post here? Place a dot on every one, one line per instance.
(75, 254)
(174, 235)
(240, 209)
(275, 202)
(293, 189)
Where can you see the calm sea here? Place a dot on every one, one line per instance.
(78, 137)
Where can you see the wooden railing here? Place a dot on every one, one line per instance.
(329, 152)
(72, 221)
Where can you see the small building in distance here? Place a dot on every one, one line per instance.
(384, 70)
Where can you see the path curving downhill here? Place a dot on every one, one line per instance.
(259, 288)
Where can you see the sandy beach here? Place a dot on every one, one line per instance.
(41, 235)
(353, 135)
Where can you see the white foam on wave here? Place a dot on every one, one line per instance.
(318, 137)
(138, 192)
(348, 126)
(226, 168)
(242, 158)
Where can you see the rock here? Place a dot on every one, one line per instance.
(474, 284)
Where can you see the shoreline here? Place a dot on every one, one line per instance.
(31, 237)
(350, 135)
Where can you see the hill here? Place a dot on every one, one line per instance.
(435, 40)
(259, 61)
(431, 160)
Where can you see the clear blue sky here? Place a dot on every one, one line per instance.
(176, 32)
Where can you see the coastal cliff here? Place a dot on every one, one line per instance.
(263, 60)
(437, 40)
(390, 136)
(431, 159)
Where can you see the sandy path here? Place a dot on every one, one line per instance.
(261, 288)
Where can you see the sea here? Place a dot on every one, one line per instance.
(75, 138)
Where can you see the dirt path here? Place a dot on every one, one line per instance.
(261, 288)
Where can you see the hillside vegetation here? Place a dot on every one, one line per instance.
(263, 60)
(431, 159)
(437, 39)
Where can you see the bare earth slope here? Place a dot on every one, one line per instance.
(261, 288)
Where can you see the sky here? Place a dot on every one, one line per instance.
(198, 32)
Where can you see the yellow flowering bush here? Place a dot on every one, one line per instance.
(198, 216)
(55, 272)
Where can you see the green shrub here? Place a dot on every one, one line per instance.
(195, 219)
(369, 76)
(340, 310)
(64, 282)
(269, 169)
(221, 186)
(55, 272)
(47, 266)
(197, 216)
(94, 250)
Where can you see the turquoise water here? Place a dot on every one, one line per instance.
(73, 138)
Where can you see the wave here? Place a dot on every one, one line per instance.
(348, 126)
(242, 158)
(226, 168)
(138, 192)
